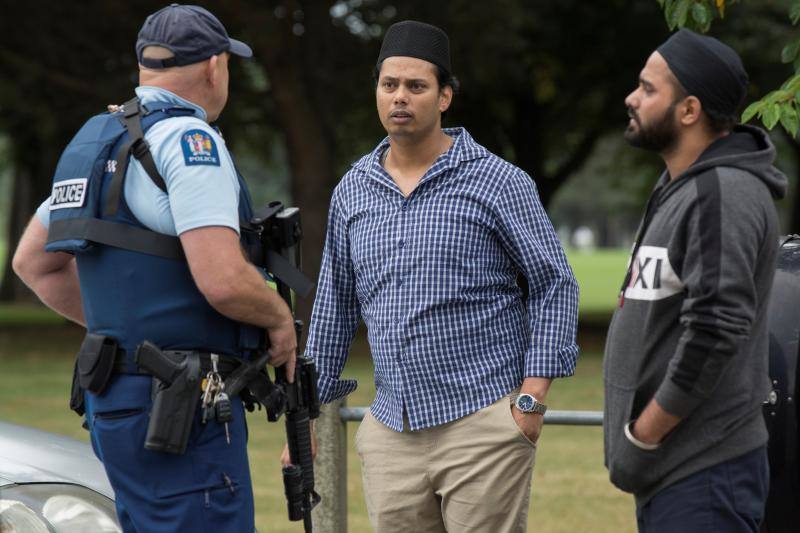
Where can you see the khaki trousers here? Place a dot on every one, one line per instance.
(473, 474)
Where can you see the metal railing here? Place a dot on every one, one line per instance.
(330, 516)
(565, 418)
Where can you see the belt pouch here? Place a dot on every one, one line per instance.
(96, 362)
(76, 392)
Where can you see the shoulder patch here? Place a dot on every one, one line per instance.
(68, 193)
(199, 148)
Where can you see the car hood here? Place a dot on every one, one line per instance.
(30, 455)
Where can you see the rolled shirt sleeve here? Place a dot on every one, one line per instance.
(552, 305)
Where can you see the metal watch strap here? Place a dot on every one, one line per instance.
(538, 407)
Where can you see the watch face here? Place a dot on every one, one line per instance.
(525, 402)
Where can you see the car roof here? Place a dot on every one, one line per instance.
(29, 455)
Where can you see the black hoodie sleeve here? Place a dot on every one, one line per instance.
(728, 226)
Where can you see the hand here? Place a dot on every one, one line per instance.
(529, 423)
(654, 424)
(283, 347)
(645, 436)
(285, 460)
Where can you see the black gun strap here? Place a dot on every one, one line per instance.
(136, 145)
(117, 234)
(288, 273)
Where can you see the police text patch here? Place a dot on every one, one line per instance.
(199, 148)
(68, 193)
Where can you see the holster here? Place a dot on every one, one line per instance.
(176, 394)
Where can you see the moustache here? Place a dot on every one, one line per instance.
(632, 114)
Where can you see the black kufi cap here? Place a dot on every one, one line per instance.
(417, 39)
(191, 33)
(708, 69)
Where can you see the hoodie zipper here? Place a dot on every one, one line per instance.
(649, 212)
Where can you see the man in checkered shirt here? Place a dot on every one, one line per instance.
(426, 237)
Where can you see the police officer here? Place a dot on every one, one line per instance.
(210, 300)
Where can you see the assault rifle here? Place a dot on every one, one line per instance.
(277, 249)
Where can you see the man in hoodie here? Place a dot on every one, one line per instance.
(686, 355)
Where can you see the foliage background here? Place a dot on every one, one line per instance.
(542, 85)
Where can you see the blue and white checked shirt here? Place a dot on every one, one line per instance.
(433, 275)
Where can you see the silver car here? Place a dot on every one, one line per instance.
(52, 484)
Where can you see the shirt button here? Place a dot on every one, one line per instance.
(405, 205)
(399, 282)
(400, 244)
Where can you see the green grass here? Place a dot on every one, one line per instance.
(571, 491)
(32, 314)
(599, 274)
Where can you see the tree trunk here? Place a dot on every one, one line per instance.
(34, 162)
(309, 143)
(11, 288)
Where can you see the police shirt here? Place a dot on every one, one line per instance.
(196, 166)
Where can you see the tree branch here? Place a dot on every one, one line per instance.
(30, 69)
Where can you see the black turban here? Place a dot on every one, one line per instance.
(708, 69)
(417, 39)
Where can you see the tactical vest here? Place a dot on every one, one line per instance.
(135, 283)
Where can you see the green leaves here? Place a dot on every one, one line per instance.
(771, 115)
(789, 119)
(702, 16)
(751, 111)
(794, 11)
(789, 52)
(693, 14)
(676, 12)
(779, 106)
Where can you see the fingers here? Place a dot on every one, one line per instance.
(283, 346)
(285, 461)
(290, 364)
(529, 424)
(313, 442)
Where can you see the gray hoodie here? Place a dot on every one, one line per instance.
(691, 329)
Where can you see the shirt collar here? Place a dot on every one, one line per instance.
(464, 149)
(148, 94)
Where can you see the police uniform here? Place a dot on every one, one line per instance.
(132, 297)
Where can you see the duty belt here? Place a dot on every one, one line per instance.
(227, 364)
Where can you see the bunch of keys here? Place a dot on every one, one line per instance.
(216, 402)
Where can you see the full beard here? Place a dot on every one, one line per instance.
(658, 137)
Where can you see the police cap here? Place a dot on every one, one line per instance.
(191, 33)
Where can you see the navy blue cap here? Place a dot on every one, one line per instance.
(191, 33)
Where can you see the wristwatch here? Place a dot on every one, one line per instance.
(528, 404)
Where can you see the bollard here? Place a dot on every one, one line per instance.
(330, 470)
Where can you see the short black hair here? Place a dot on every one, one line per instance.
(443, 78)
(718, 121)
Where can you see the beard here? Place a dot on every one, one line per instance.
(658, 136)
